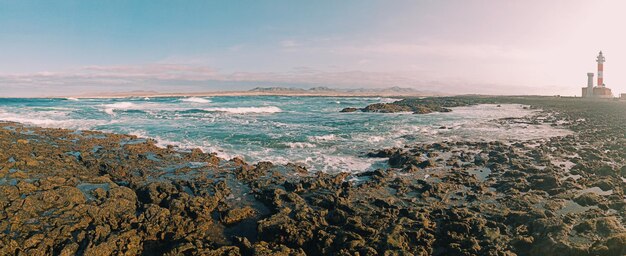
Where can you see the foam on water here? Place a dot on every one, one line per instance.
(323, 138)
(338, 163)
(110, 108)
(49, 118)
(246, 110)
(163, 142)
(68, 124)
(33, 121)
(300, 145)
(388, 100)
(195, 100)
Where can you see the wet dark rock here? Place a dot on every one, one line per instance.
(543, 182)
(604, 184)
(398, 159)
(386, 108)
(498, 157)
(615, 245)
(383, 153)
(421, 106)
(349, 110)
(297, 168)
(605, 171)
(238, 214)
(479, 160)
(426, 164)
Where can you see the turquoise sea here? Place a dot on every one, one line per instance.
(306, 130)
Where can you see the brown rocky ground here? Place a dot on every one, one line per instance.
(66, 192)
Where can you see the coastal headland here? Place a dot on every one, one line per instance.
(68, 192)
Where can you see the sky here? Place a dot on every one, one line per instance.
(67, 47)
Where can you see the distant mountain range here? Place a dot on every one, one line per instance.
(390, 89)
(277, 89)
(394, 89)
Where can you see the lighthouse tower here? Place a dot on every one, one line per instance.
(600, 61)
(600, 90)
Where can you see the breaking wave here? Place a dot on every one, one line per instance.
(196, 100)
(299, 145)
(110, 108)
(389, 100)
(246, 110)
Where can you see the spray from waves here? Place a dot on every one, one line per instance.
(72, 99)
(183, 144)
(195, 100)
(246, 110)
(389, 100)
(300, 145)
(375, 139)
(52, 119)
(36, 120)
(323, 138)
(110, 108)
(337, 163)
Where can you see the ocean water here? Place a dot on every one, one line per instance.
(305, 130)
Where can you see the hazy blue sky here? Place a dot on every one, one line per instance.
(464, 46)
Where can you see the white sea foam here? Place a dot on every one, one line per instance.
(110, 108)
(375, 139)
(34, 121)
(300, 145)
(321, 138)
(245, 110)
(388, 100)
(184, 144)
(50, 119)
(337, 163)
(196, 100)
(72, 98)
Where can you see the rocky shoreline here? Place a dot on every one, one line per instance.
(70, 192)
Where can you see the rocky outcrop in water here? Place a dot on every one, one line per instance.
(421, 105)
(69, 192)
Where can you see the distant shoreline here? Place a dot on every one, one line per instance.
(245, 93)
(285, 93)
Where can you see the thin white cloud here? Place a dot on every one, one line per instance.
(155, 71)
(289, 43)
(437, 49)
